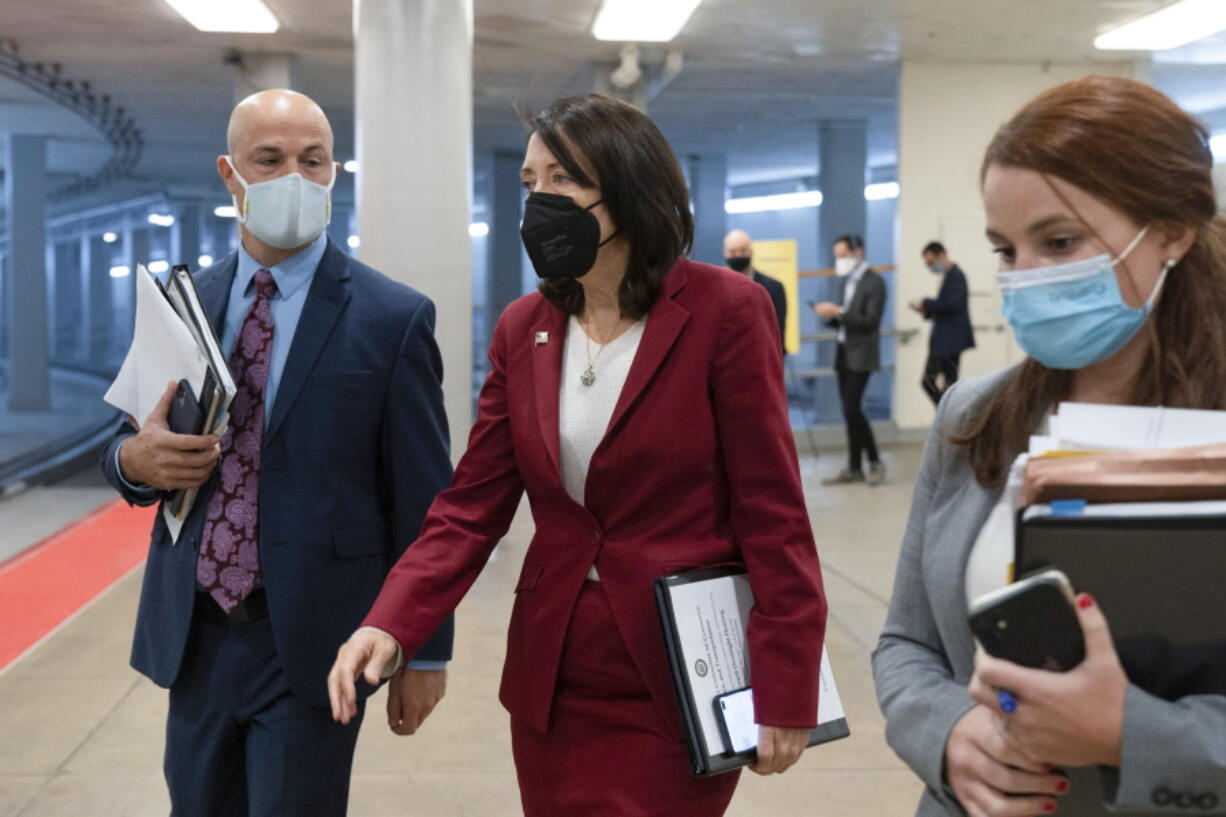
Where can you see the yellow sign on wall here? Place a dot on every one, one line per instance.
(778, 260)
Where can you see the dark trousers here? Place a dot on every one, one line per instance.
(860, 439)
(940, 372)
(238, 742)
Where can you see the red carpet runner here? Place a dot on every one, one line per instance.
(42, 587)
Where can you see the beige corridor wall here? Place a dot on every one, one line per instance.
(948, 112)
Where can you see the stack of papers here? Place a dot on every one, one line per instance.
(1093, 427)
(173, 341)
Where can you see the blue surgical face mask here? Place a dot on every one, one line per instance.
(1069, 316)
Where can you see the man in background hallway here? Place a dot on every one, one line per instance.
(738, 255)
(951, 322)
(857, 316)
(336, 446)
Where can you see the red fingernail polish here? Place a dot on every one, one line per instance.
(1049, 806)
(1062, 786)
(1085, 602)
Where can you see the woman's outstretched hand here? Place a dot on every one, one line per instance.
(368, 653)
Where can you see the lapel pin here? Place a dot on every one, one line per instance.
(542, 338)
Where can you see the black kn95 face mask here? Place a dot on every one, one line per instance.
(561, 237)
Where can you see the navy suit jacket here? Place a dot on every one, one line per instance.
(354, 452)
(779, 299)
(950, 315)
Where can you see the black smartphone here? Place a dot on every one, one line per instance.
(1032, 622)
(186, 416)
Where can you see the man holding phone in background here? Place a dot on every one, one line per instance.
(336, 446)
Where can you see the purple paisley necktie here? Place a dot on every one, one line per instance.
(228, 566)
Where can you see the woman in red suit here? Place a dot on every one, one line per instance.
(638, 398)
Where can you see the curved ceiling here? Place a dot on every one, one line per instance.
(757, 79)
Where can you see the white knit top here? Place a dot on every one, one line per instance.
(584, 411)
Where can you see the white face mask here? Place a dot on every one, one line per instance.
(284, 212)
(845, 266)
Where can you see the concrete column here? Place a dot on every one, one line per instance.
(25, 199)
(413, 78)
(136, 251)
(263, 71)
(99, 304)
(843, 164)
(185, 236)
(708, 190)
(67, 326)
(942, 138)
(504, 281)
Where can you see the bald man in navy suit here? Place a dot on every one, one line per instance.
(336, 446)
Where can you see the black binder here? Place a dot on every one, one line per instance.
(1158, 572)
(694, 711)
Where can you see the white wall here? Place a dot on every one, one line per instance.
(948, 113)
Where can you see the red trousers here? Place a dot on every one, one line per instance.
(607, 752)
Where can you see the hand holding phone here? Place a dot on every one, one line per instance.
(1032, 622)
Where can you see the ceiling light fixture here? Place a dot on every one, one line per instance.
(205, 260)
(110, 238)
(881, 191)
(768, 204)
(352, 166)
(797, 201)
(478, 229)
(120, 272)
(237, 16)
(642, 21)
(354, 242)
(158, 267)
(1170, 27)
(225, 211)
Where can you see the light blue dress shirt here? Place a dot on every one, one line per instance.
(293, 277)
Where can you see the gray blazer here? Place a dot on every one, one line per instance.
(862, 320)
(1174, 754)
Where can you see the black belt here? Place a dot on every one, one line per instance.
(254, 607)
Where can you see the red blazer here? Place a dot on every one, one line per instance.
(698, 467)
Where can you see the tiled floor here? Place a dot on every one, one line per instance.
(81, 733)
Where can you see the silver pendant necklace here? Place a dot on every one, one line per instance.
(589, 374)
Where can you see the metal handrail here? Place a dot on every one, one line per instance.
(829, 272)
(903, 335)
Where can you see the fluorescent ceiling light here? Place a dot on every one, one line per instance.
(767, 204)
(161, 220)
(158, 267)
(808, 198)
(110, 238)
(239, 16)
(354, 242)
(642, 21)
(1177, 24)
(120, 272)
(478, 229)
(884, 190)
(351, 166)
(225, 211)
(205, 260)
